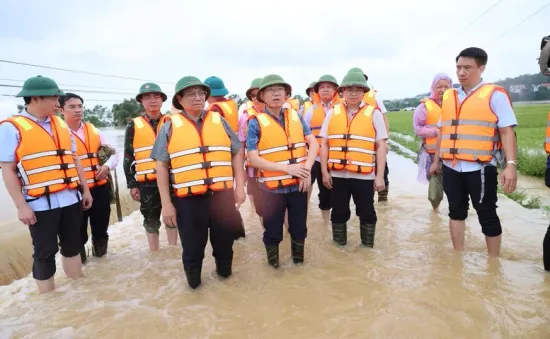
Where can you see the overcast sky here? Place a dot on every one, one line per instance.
(399, 44)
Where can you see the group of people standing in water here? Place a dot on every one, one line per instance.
(193, 168)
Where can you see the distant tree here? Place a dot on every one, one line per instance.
(123, 112)
(98, 116)
(542, 93)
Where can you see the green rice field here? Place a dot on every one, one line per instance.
(530, 134)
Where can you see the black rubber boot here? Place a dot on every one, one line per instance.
(272, 252)
(99, 247)
(340, 233)
(240, 232)
(83, 256)
(193, 277)
(223, 268)
(546, 250)
(367, 234)
(383, 195)
(297, 250)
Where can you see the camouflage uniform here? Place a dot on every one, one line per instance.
(149, 194)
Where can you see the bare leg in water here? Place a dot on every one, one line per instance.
(458, 227)
(153, 240)
(172, 236)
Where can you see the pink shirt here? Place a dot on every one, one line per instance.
(419, 123)
(243, 121)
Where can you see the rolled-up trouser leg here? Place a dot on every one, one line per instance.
(150, 208)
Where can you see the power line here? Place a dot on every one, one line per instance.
(82, 72)
(77, 90)
(86, 100)
(96, 87)
(471, 23)
(522, 22)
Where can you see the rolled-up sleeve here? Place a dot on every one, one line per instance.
(253, 135)
(500, 104)
(305, 127)
(235, 142)
(9, 139)
(160, 148)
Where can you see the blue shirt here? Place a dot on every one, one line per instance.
(253, 137)
(506, 118)
(9, 139)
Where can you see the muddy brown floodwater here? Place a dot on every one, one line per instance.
(411, 285)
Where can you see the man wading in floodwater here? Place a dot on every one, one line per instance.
(477, 123)
(140, 169)
(198, 157)
(42, 174)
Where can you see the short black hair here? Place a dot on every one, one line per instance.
(67, 96)
(478, 54)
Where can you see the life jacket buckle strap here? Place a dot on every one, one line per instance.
(453, 150)
(292, 161)
(207, 165)
(345, 149)
(66, 181)
(454, 122)
(60, 152)
(208, 181)
(454, 136)
(204, 149)
(64, 166)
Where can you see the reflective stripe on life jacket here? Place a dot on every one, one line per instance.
(469, 130)
(87, 153)
(352, 145)
(318, 118)
(433, 113)
(230, 112)
(280, 145)
(199, 160)
(45, 163)
(144, 139)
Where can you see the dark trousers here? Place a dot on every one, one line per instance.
(386, 173)
(546, 250)
(253, 188)
(361, 191)
(324, 193)
(98, 215)
(60, 222)
(199, 214)
(274, 207)
(460, 186)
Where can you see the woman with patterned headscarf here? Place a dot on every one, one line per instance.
(425, 121)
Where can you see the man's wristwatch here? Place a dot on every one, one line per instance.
(513, 162)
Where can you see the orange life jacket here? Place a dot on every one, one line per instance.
(433, 114)
(547, 142)
(294, 103)
(45, 163)
(280, 145)
(469, 130)
(307, 105)
(249, 104)
(370, 98)
(200, 160)
(318, 117)
(144, 139)
(87, 153)
(352, 145)
(230, 112)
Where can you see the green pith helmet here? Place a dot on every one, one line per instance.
(150, 87)
(310, 87)
(256, 83)
(271, 80)
(358, 70)
(40, 86)
(186, 82)
(355, 79)
(217, 87)
(325, 78)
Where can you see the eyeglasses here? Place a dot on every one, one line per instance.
(192, 95)
(275, 89)
(353, 90)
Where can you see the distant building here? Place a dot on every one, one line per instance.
(517, 88)
(536, 87)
